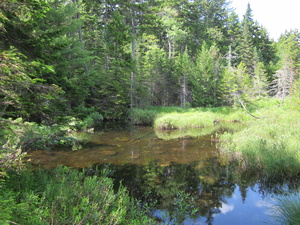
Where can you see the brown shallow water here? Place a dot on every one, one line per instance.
(140, 145)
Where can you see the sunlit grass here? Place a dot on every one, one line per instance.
(180, 133)
(270, 144)
(185, 120)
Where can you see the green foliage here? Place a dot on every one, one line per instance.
(294, 100)
(44, 137)
(65, 196)
(17, 136)
(107, 56)
(142, 116)
(205, 80)
(287, 210)
(184, 205)
(94, 119)
(22, 93)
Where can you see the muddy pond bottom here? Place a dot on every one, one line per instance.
(139, 145)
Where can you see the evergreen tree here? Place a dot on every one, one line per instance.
(205, 21)
(231, 42)
(246, 47)
(63, 48)
(259, 81)
(206, 77)
(184, 68)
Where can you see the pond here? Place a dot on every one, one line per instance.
(177, 173)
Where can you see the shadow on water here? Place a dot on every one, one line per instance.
(177, 173)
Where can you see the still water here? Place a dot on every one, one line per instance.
(177, 173)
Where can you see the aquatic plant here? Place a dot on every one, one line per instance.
(287, 210)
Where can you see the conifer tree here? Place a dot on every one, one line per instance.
(184, 68)
(206, 77)
(246, 47)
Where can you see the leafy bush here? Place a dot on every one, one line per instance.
(90, 121)
(17, 136)
(65, 196)
(142, 116)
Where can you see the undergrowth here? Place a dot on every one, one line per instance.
(66, 196)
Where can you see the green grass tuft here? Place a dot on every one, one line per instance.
(287, 211)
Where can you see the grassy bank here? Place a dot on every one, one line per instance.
(270, 144)
(170, 118)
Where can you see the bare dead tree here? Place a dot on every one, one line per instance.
(281, 86)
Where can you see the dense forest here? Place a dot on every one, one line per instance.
(74, 58)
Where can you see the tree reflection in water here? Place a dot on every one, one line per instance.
(183, 193)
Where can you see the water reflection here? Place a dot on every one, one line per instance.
(178, 174)
(189, 194)
(138, 146)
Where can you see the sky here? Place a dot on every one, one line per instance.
(276, 16)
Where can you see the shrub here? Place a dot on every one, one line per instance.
(65, 196)
(142, 116)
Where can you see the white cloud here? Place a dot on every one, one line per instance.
(226, 208)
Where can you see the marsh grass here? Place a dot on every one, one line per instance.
(176, 120)
(181, 133)
(270, 144)
(200, 118)
(168, 118)
(287, 211)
